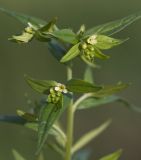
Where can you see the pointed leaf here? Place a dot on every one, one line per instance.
(84, 140)
(111, 89)
(66, 35)
(41, 86)
(48, 115)
(49, 27)
(80, 86)
(113, 27)
(93, 102)
(23, 18)
(114, 156)
(96, 102)
(16, 155)
(72, 53)
(55, 131)
(100, 55)
(105, 42)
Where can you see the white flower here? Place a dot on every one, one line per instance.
(61, 88)
(92, 40)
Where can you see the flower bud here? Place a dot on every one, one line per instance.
(84, 45)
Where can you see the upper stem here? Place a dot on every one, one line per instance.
(70, 121)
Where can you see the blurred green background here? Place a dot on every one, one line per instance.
(35, 60)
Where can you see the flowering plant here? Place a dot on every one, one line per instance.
(66, 45)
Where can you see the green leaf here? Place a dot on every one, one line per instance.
(24, 38)
(92, 102)
(48, 115)
(17, 156)
(49, 27)
(105, 42)
(55, 131)
(23, 18)
(114, 26)
(84, 140)
(27, 116)
(114, 156)
(66, 35)
(88, 75)
(95, 102)
(100, 55)
(81, 86)
(72, 53)
(111, 89)
(41, 86)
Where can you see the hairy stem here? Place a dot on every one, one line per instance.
(70, 122)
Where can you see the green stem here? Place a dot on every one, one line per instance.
(70, 122)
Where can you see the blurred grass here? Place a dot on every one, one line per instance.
(33, 59)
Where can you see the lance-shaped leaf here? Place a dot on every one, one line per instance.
(81, 86)
(84, 140)
(23, 18)
(66, 35)
(93, 102)
(49, 27)
(111, 89)
(105, 42)
(72, 53)
(41, 86)
(17, 156)
(100, 55)
(48, 115)
(113, 27)
(113, 156)
(55, 131)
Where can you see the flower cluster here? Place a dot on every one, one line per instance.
(56, 93)
(88, 49)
